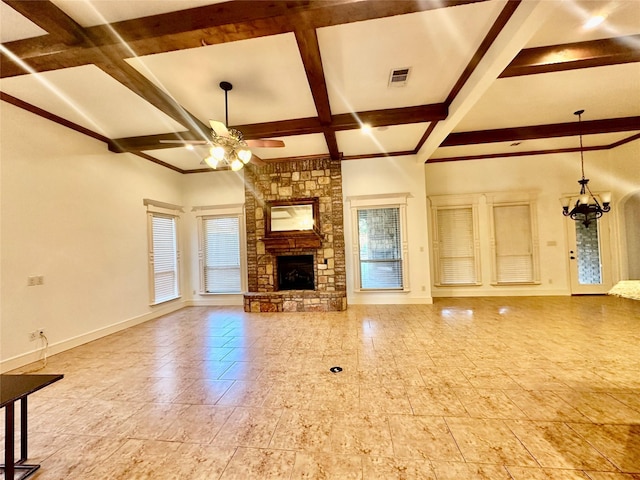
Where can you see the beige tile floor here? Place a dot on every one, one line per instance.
(493, 388)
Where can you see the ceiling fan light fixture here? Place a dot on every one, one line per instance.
(212, 162)
(236, 164)
(244, 154)
(217, 152)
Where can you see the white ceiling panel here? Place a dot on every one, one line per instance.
(610, 92)
(539, 144)
(14, 26)
(566, 25)
(269, 81)
(298, 146)
(381, 140)
(91, 98)
(436, 44)
(97, 12)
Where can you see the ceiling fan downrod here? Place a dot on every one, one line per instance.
(226, 86)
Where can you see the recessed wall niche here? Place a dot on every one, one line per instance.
(295, 182)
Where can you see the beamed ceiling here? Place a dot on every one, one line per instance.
(486, 79)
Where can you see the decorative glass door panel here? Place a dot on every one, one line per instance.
(589, 256)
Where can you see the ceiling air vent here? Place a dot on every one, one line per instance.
(399, 77)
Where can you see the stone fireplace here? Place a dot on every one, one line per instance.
(295, 271)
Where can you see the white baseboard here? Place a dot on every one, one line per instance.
(63, 345)
(382, 299)
(468, 292)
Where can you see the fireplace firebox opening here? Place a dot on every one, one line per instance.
(295, 272)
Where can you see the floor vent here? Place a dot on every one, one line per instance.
(399, 77)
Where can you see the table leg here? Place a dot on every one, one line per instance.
(23, 430)
(9, 439)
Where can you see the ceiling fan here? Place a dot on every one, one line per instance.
(227, 145)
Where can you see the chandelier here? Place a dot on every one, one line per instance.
(586, 208)
(228, 148)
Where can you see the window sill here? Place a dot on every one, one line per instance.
(381, 290)
(508, 284)
(206, 294)
(162, 302)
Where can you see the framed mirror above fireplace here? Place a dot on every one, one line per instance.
(292, 223)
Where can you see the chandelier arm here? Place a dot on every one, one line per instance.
(594, 198)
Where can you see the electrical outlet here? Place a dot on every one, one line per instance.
(36, 334)
(32, 281)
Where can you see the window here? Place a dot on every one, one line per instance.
(222, 268)
(456, 246)
(379, 240)
(456, 243)
(221, 242)
(379, 243)
(514, 248)
(164, 252)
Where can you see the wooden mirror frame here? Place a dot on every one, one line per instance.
(291, 233)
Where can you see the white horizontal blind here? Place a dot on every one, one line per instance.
(456, 246)
(514, 253)
(221, 242)
(380, 248)
(164, 258)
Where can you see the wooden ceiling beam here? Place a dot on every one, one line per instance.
(535, 152)
(312, 62)
(309, 49)
(588, 127)
(390, 116)
(282, 128)
(557, 58)
(300, 126)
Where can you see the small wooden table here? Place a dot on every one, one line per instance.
(12, 389)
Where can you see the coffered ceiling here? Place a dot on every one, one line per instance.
(486, 78)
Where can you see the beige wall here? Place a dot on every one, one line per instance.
(386, 176)
(201, 190)
(72, 212)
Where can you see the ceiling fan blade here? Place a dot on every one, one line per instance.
(219, 128)
(186, 142)
(265, 143)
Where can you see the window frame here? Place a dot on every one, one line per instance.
(371, 202)
(163, 210)
(222, 211)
